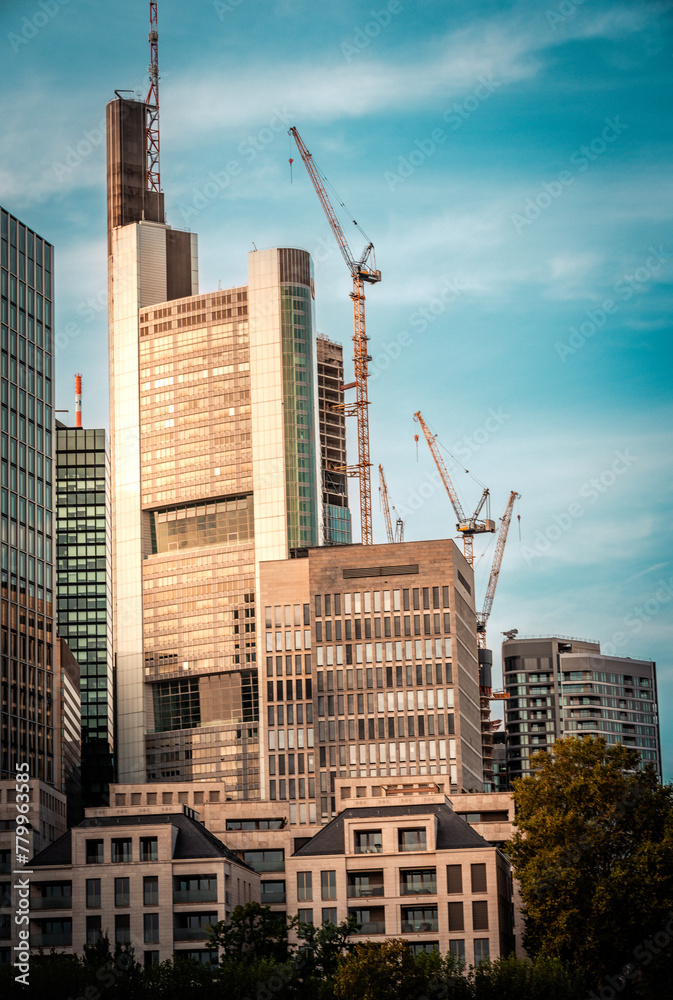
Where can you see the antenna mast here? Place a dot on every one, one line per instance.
(78, 400)
(153, 178)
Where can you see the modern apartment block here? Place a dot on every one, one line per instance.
(154, 880)
(27, 719)
(336, 513)
(560, 686)
(370, 669)
(216, 467)
(84, 585)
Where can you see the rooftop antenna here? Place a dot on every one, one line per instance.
(153, 177)
(78, 400)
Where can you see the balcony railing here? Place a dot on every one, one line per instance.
(362, 891)
(418, 889)
(411, 926)
(368, 848)
(195, 895)
(273, 897)
(372, 927)
(51, 902)
(267, 866)
(190, 933)
(50, 940)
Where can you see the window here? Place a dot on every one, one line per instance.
(93, 892)
(478, 873)
(419, 918)
(122, 928)
(121, 850)
(328, 885)
(329, 915)
(265, 861)
(151, 927)
(272, 892)
(94, 852)
(481, 950)
(365, 883)
(93, 930)
(418, 947)
(151, 890)
(418, 881)
(457, 948)
(456, 921)
(149, 849)
(480, 915)
(195, 888)
(151, 958)
(202, 956)
(305, 916)
(412, 840)
(304, 886)
(454, 878)
(368, 842)
(371, 920)
(122, 892)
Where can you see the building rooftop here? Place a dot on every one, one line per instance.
(453, 833)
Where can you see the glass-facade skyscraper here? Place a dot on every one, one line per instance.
(26, 502)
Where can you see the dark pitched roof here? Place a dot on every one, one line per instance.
(193, 840)
(453, 833)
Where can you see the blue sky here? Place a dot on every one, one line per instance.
(511, 163)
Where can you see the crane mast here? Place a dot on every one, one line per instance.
(483, 615)
(362, 270)
(383, 493)
(467, 526)
(153, 175)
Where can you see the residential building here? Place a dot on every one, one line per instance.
(561, 686)
(155, 880)
(336, 513)
(68, 743)
(84, 590)
(27, 723)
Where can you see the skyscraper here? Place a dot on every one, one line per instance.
(336, 513)
(26, 502)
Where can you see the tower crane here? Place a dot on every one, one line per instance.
(398, 534)
(153, 176)
(362, 269)
(483, 615)
(467, 526)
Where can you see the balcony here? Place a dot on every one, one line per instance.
(51, 902)
(368, 848)
(51, 940)
(272, 896)
(372, 927)
(412, 926)
(190, 933)
(267, 866)
(195, 895)
(364, 891)
(418, 889)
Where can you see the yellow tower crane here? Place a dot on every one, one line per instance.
(362, 269)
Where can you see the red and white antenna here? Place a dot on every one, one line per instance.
(153, 178)
(78, 400)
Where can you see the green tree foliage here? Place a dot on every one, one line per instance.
(374, 970)
(254, 932)
(593, 854)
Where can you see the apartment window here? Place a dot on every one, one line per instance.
(328, 885)
(419, 918)
(123, 928)
(150, 958)
(454, 879)
(368, 842)
(265, 861)
(457, 949)
(272, 892)
(151, 927)
(329, 915)
(93, 930)
(478, 873)
(149, 849)
(122, 892)
(456, 920)
(480, 915)
(93, 892)
(304, 886)
(418, 881)
(481, 950)
(121, 850)
(412, 840)
(94, 852)
(305, 916)
(151, 890)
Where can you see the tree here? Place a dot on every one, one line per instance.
(593, 853)
(322, 947)
(253, 932)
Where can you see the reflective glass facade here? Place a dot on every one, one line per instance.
(336, 513)
(83, 569)
(26, 501)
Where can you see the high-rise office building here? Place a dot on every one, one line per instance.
(84, 586)
(560, 686)
(26, 502)
(336, 513)
(215, 468)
